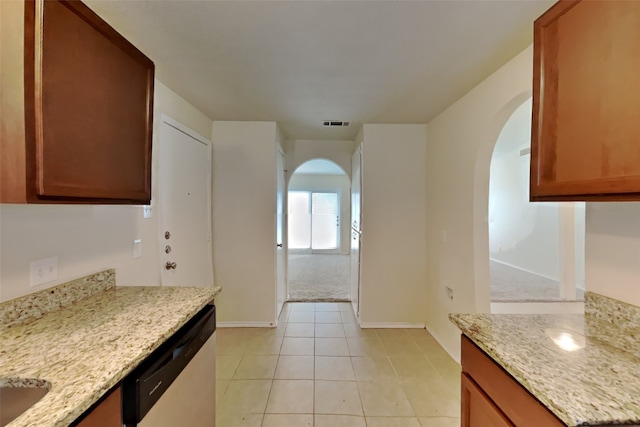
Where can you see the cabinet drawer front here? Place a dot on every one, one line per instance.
(514, 401)
(586, 103)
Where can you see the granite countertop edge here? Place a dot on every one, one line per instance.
(520, 344)
(109, 333)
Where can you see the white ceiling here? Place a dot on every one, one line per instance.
(302, 62)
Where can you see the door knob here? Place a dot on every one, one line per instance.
(170, 265)
(279, 245)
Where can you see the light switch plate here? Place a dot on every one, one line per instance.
(146, 212)
(43, 270)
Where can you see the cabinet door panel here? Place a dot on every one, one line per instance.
(91, 106)
(107, 413)
(586, 100)
(477, 409)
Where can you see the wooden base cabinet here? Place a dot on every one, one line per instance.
(77, 107)
(586, 102)
(108, 413)
(492, 398)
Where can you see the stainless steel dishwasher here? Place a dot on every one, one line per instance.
(175, 385)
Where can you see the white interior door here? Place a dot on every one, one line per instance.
(356, 229)
(184, 179)
(281, 259)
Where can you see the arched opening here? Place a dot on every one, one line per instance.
(535, 250)
(318, 232)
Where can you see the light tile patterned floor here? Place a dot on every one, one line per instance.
(319, 369)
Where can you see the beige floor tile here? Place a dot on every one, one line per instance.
(392, 422)
(402, 346)
(297, 346)
(265, 345)
(232, 419)
(391, 333)
(384, 399)
(439, 422)
(413, 367)
(431, 398)
(352, 330)
(230, 345)
(345, 307)
(373, 368)
(284, 315)
(329, 330)
(339, 421)
(246, 396)
(221, 388)
(287, 420)
(348, 317)
(302, 306)
(331, 347)
(328, 317)
(365, 346)
(301, 330)
(301, 317)
(291, 397)
(334, 368)
(327, 306)
(260, 367)
(295, 368)
(337, 398)
(226, 366)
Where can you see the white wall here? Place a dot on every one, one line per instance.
(613, 250)
(244, 212)
(89, 238)
(394, 207)
(341, 183)
(460, 143)
(299, 151)
(522, 234)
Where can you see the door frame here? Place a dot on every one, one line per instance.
(170, 121)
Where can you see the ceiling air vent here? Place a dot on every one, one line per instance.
(335, 123)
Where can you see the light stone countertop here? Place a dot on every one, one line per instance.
(84, 349)
(598, 384)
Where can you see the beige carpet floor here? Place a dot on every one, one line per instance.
(318, 277)
(511, 284)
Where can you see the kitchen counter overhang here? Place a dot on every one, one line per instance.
(86, 348)
(593, 381)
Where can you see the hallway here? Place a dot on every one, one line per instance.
(319, 369)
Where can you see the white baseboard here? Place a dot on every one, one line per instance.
(391, 325)
(455, 355)
(245, 325)
(524, 269)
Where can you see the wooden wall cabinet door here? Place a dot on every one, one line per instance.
(108, 413)
(83, 132)
(585, 139)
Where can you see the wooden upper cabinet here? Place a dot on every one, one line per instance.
(585, 139)
(83, 131)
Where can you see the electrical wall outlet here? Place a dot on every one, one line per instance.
(43, 270)
(146, 212)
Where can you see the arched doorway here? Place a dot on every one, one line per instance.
(318, 232)
(536, 250)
